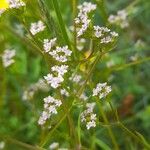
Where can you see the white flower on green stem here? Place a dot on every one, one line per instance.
(64, 92)
(48, 44)
(119, 19)
(7, 57)
(102, 90)
(82, 18)
(61, 53)
(50, 108)
(37, 27)
(88, 116)
(104, 34)
(54, 145)
(16, 3)
(56, 80)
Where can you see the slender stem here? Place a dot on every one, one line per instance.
(100, 54)
(74, 6)
(108, 127)
(70, 120)
(61, 23)
(22, 144)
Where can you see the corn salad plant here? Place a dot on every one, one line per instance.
(74, 75)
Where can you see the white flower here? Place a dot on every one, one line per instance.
(41, 85)
(106, 40)
(37, 27)
(75, 78)
(119, 19)
(57, 53)
(82, 18)
(2, 145)
(61, 70)
(54, 81)
(15, 3)
(101, 90)
(110, 64)
(7, 57)
(88, 116)
(100, 31)
(54, 145)
(48, 44)
(104, 34)
(50, 108)
(64, 92)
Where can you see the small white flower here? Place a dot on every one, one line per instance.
(82, 18)
(2, 145)
(50, 108)
(57, 53)
(88, 116)
(110, 64)
(64, 92)
(37, 27)
(15, 3)
(119, 19)
(54, 145)
(106, 40)
(54, 81)
(48, 44)
(7, 57)
(61, 70)
(102, 90)
(104, 34)
(75, 78)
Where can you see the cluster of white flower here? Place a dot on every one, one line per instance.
(75, 78)
(7, 57)
(50, 107)
(61, 58)
(10, 4)
(82, 19)
(55, 146)
(88, 116)
(105, 34)
(33, 88)
(48, 44)
(15, 3)
(64, 92)
(102, 90)
(56, 77)
(55, 81)
(37, 27)
(119, 19)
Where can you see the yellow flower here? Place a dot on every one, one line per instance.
(4, 4)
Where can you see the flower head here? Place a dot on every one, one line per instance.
(101, 90)
(37, 27)
(7, 57)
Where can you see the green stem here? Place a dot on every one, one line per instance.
(61, 22)
(108, 127)
(74, 6)
(122, 126)
(99, 55)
